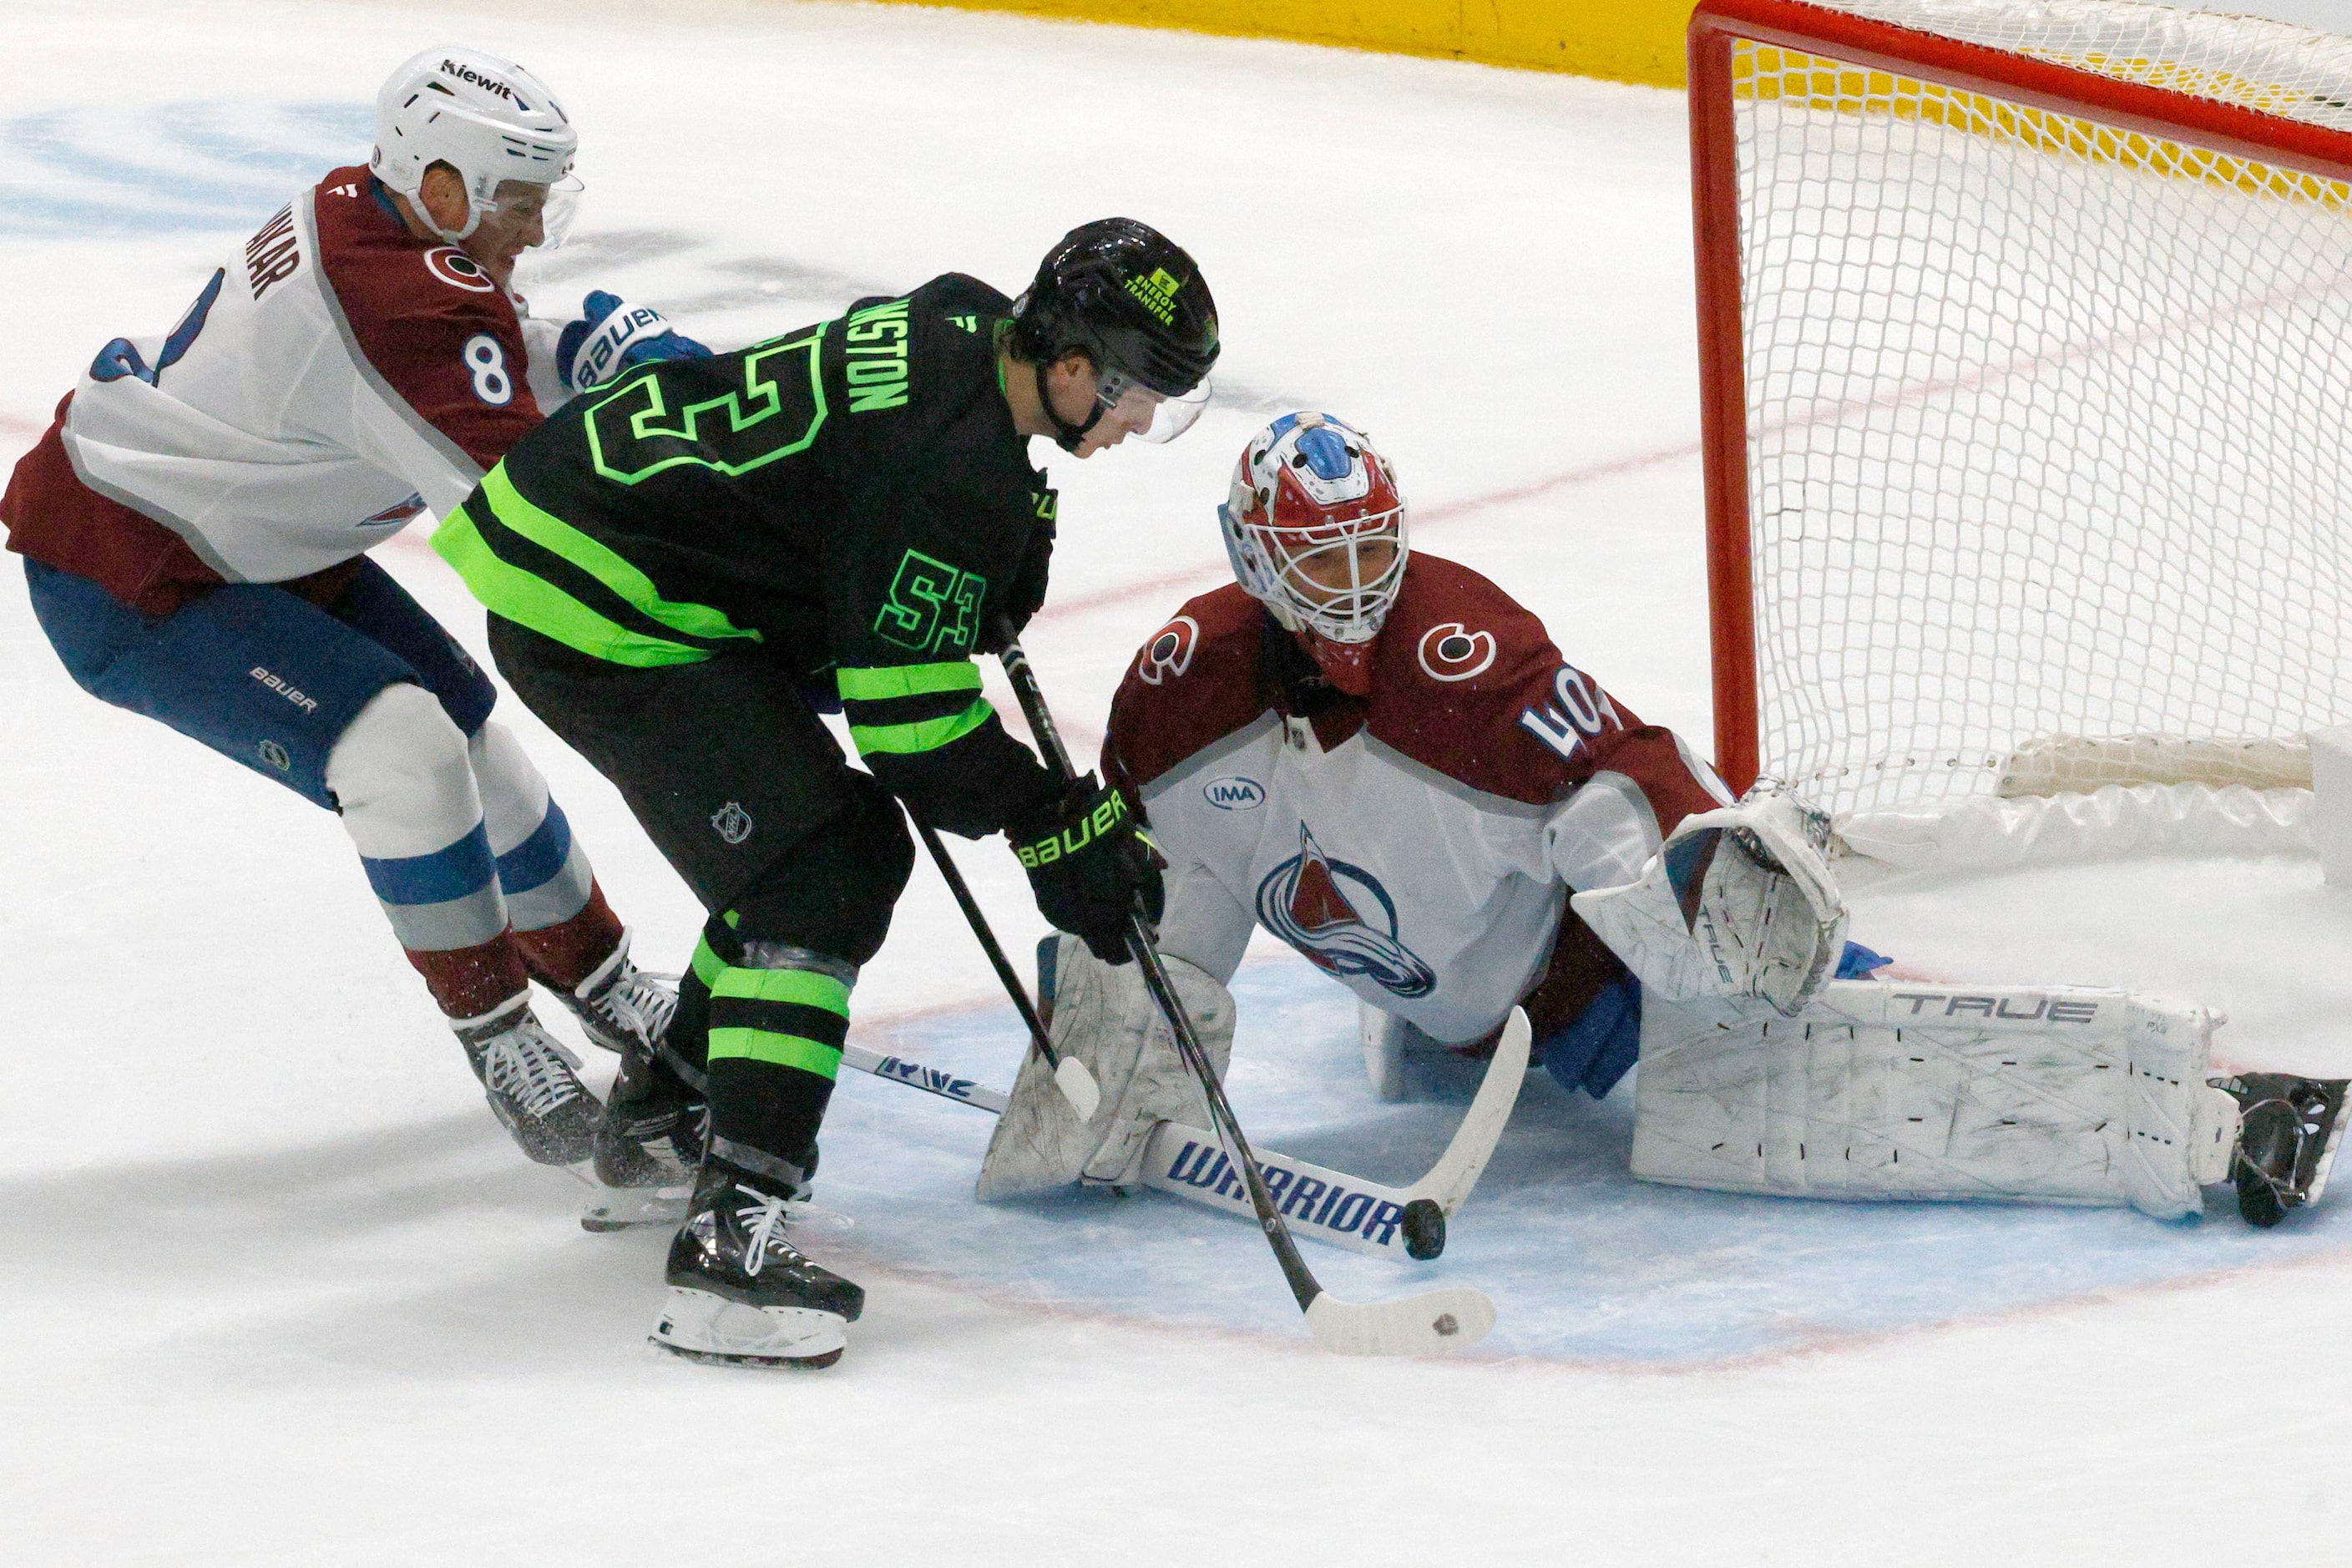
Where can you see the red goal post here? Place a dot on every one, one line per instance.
(1858, 96)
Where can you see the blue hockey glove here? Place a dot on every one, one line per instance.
(1600, 1045)
(1858, 963)
(612, 335)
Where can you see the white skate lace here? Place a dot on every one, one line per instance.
(762, 1219)
(637, 1003)
(528, 1068)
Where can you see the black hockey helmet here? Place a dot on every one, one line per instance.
(1131, 300)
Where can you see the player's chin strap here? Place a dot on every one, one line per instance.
(1067, 436)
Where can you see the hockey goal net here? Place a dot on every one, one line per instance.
(2026, 345)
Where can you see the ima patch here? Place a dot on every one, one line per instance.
(1233, 793)
(1169, 653)
(1453, 652)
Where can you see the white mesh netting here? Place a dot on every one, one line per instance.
(2047, 421)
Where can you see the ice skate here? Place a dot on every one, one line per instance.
(621, 1003)
(739, 1293)
(528, 1081)
(2287, 1142)
(649, 1145)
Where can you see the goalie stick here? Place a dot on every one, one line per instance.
(1394, 1223)
(1433, 1320)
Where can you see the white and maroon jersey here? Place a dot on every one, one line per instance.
(333, 377)
(1420, 844)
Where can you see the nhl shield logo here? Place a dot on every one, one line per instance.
(731, 822)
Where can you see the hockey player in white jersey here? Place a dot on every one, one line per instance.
(1381, 759)
(194, 527)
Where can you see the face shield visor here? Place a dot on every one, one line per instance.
(515, 204)
(1126, 403)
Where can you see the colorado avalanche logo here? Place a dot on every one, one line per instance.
(1170, 652)
(1453, 652)
(1305, 901)
(454, 267)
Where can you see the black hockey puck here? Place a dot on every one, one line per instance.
(1424, 1229)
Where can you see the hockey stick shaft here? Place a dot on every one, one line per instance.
(1295, 1272)
(1076, 1084)
(988, 943)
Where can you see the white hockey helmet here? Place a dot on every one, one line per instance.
(484, 117)
(1310, 501)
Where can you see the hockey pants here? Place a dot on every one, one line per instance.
(364, 705)
(796, 856)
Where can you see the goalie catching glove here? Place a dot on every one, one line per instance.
(1738, 902)
(1091, 866)
(1104, 1017)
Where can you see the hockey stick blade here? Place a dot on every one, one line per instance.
(1432, 1324)
(929, 1079)
(1457, 1171)
(1333, 1206)
(1347, 1211)
(1077, 1086)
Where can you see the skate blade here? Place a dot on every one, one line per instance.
(2326, 1161)
(710, 1329)
(620, 1208)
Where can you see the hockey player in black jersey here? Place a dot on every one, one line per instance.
(683, 570)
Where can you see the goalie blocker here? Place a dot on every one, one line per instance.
(1896, 1089)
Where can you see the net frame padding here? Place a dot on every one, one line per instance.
(2027, 344)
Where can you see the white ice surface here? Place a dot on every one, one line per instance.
(276, 1289)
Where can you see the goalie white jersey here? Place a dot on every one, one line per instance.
(333, 378)
(1419, 844)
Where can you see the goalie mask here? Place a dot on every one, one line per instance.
(487, 118)
(1315, 530)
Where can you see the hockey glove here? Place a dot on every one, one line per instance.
(612, 335)
(1091, 866)
(1738, 902)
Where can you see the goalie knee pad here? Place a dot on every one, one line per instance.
(1890, 1089)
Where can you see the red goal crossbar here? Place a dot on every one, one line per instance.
(1716, 27)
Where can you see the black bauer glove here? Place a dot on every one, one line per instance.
(1091, 864)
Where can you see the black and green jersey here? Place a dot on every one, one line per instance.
(848, 499)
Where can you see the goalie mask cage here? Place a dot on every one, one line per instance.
(2026, 357)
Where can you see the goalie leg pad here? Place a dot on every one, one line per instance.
(1104, 1017)
(1888, 1090)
